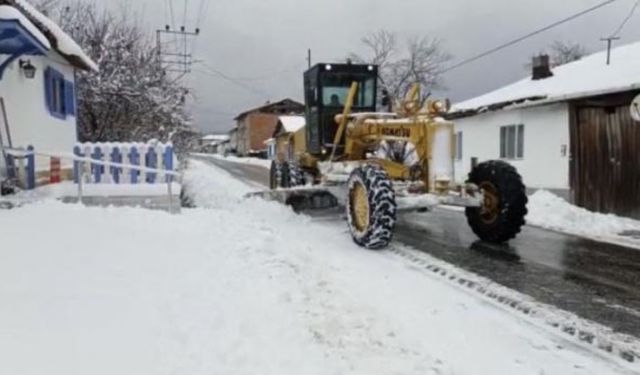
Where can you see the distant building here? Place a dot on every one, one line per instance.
(257, 125)
(38, 62)
(232, 145)
(568, 129)
(210, 143)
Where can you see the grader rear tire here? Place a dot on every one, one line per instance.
(285, 175)
(371, 207)
(502, 214)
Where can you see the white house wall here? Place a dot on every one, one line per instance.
(546, 135)
(29, 119)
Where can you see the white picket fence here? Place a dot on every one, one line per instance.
(136, 163)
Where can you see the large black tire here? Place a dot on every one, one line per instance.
(295, 175)
(285, 175)
(277, 175)
(505, 204)
(374, 229)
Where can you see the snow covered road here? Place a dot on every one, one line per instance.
(242, 287)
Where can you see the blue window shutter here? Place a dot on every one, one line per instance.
(69, 98)
(48, 89)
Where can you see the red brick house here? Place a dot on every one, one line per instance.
(257, 125)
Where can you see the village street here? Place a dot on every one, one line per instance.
(246, 286)
(594, 280)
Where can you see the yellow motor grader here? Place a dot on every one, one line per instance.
(377, 164)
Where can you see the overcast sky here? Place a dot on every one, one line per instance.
(264, 42)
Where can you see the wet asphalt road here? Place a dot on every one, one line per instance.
(596, 281)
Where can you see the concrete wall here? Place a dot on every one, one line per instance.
(546, 134)
(30, 122)
(253, 130)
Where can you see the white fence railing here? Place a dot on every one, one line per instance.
(84, 164)
(131, 158)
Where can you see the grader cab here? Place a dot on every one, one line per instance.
(377, 164)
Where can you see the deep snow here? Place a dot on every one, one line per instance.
(241, 287)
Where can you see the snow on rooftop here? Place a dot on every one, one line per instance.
(63, 42)
(215, 137)
(292, 124)
(10, 13)
(586, 77)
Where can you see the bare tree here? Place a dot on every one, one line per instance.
(561, 53)
(421, 61)
(45, 6)
(131, 98)
(566, 52)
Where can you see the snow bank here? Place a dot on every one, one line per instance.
(244, 160)
(241, 287)
(549, 211)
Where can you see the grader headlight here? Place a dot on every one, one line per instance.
(439, 106)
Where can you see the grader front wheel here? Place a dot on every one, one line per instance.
(371, 207)
(504, 207)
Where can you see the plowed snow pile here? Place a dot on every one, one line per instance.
(240, 287)
(549, 211)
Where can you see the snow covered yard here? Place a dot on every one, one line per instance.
(241, 287)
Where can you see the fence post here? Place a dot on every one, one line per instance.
(76, 164)
(81, 168)
(151, 162)
(30, 171)
(116, 157)
(11, 166)
(168, 161)
(134, 157)
(96, 168)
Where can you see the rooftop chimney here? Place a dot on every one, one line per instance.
(541, 67)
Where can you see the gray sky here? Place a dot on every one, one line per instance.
(264, 42)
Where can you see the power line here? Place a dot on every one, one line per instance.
(626, 19)
(173, 18)
(186, 6)
(214, 72)
(201, 12)
(527, 36)
(270, 75)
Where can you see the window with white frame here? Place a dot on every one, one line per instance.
(512, 141)
(458, 145)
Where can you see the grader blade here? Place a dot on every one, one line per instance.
(300, 199)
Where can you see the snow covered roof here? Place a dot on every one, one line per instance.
(215, 137)
(62, 42)
(292, 124)
(283, 106)
(587, 77)
(10, 13)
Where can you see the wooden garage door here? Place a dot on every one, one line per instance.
(605, 164)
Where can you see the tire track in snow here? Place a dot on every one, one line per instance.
(624, 349)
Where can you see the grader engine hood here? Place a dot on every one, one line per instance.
(420, 144)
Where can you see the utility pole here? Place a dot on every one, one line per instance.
(609, 41)
(176, 58)
(309, 58)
